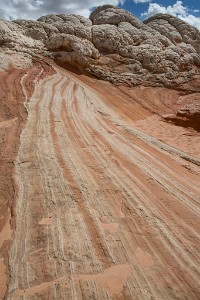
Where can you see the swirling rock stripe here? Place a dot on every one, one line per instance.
(103, 212)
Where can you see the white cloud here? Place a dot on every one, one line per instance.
(154, 9)
(192, 20)
(141, 1)
(177, 10)
(33, 9)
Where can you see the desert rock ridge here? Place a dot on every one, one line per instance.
(113, 45)
(99, 183)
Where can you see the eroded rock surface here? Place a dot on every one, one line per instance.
(188, 115)
(190, 110)
(113, 45)
(99, 189)
(108, 193)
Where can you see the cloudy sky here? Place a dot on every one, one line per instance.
(187, 10)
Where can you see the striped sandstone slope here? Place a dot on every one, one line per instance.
(106, 207)
(12, 116)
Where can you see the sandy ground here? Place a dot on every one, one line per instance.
(108, 194)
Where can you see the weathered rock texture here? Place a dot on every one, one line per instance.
(113, 45)
(99, 195)
(108, 194)
(188, 115)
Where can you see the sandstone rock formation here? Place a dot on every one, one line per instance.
(99, 189)
(113, 45)
(108, 194)
(188, 115)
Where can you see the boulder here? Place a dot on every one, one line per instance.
(112, 44)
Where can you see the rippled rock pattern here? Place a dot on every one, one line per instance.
(113, 45)
(99, 187)
(107, 202)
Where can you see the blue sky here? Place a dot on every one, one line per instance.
(140, 8)
(187, 10)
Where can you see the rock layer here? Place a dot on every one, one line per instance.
(107, 192)
(13, 84)
(113, 45)
(105, 209)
